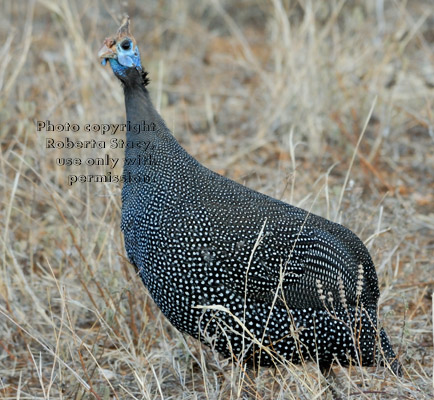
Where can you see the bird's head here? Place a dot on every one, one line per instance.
(123, 54)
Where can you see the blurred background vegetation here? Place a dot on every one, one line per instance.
(273, 94)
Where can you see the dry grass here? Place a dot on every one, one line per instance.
(272, 94)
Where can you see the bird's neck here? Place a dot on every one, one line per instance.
(143, 121)
(151, 149)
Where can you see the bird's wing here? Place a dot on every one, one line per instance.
(303, 259)
(304, 267)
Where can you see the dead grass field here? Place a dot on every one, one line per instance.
(272, 94)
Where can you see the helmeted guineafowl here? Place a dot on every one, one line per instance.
(256, 278)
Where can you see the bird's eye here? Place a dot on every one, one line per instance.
(126, 45)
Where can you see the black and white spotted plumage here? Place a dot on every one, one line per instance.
(252, 276)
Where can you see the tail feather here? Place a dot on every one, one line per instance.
(386, 355)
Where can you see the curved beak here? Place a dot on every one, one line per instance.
(108, 50)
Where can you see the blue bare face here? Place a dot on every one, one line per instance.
(123, 57)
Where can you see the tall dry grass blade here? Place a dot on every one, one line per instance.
(46, 348)
(347, 176)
